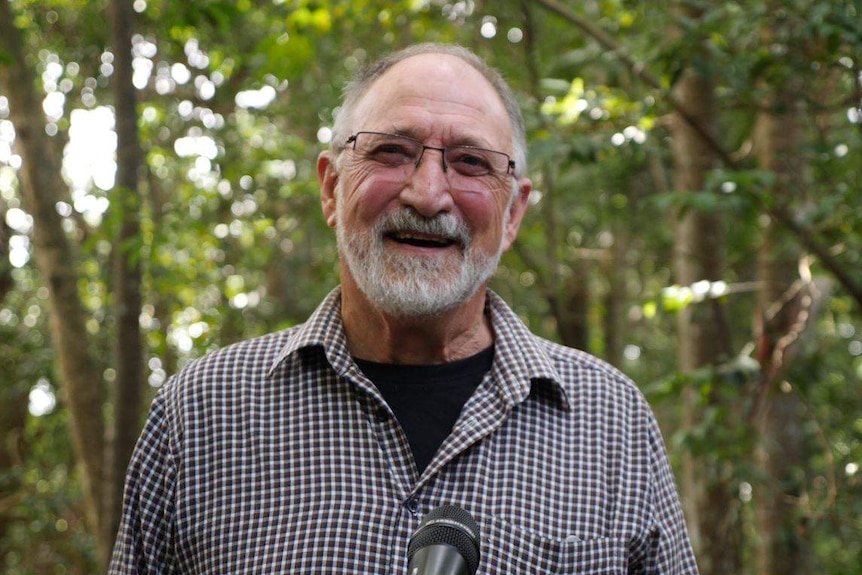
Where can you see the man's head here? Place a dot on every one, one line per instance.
(357, 88)
(419, 184)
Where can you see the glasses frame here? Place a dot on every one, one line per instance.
(510, 163)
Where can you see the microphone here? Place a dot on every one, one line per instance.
(446, 543)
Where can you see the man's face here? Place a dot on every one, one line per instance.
(418, 242)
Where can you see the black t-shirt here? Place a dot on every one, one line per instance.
(427, 399)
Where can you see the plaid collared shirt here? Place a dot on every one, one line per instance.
(277, 455)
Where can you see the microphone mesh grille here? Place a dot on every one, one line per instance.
(448, 533)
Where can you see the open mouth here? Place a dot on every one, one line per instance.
(420, 240)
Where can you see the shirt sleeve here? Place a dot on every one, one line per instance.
(144, 543)
(669, 549)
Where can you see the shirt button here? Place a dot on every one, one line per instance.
(381, 415)
(412, 506)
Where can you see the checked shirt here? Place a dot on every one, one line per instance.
(277, 455)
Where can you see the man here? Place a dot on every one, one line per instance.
(319, 449)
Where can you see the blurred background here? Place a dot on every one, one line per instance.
(696, 221)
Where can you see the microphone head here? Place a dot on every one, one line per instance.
(448, 525)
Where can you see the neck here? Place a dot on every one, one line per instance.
(376, 336)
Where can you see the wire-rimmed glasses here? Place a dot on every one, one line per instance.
(467, 167)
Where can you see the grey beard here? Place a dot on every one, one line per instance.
(409, 286)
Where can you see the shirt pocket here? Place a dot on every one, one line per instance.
(508, 550)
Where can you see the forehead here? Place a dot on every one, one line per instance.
(435, 96)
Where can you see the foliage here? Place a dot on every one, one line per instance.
(236, 99)
(40, 499)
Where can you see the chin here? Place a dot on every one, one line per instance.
(412, 303)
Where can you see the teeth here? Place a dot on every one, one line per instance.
(421, 239)
(415, 237)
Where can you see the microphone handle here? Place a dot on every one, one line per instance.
(438, 559)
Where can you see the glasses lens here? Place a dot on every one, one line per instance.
(473, 162)
(388, 149)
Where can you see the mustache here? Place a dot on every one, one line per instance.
(443, 225)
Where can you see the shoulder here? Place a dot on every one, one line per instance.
(248, 356)
(574, 363)
(226, 371)
(579, 375)
(594, 385)
(250, 370)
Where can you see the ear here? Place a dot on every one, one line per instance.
(328, 178)
(517, 209)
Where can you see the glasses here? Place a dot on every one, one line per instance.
(465, 166)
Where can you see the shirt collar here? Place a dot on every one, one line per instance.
(521, 359)
(322, 329)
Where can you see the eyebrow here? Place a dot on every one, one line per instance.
(409, 133)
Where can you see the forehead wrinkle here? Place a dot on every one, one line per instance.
(452, 135)
(421, 98)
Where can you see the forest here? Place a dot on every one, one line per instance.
(696, 220)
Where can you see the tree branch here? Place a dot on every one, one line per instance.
(639, 70)
(780, 215)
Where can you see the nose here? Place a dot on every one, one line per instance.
(427, 190)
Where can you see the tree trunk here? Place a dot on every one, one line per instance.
(615, 299)
(14, 391)
(568, 295)
(782, 546)
(14, 394)
(570, 305)
(129, 351)
(56, 259)
(702, 328)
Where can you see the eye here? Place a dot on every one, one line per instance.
(469, 161)
(391, 152)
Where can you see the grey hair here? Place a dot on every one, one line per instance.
(359, 86)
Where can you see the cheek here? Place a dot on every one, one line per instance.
(365, 199)
(483, 215)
